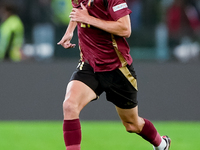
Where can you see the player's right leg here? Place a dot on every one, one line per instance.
(78, 95)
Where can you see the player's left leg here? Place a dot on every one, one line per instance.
(130, 119)
(78, 95)
(143, 127)
(81, 89)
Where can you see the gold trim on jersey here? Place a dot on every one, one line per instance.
(120, 56)
(124, 69)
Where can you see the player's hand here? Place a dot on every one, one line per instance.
(79, 15)
(65, 41)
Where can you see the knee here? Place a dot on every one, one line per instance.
(132, 128)
(70, 108)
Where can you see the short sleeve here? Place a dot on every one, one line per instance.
(118, 9)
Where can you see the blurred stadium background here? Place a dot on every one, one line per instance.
(164, 44)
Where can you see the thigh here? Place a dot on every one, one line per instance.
(86, 75)
(83, 85)
(79, 94)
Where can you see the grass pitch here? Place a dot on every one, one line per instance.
(96, 136)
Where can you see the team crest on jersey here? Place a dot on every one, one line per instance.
(76, 2)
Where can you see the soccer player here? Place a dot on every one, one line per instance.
(105, 66)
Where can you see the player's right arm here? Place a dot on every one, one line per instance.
(66, 39)
(121, 27)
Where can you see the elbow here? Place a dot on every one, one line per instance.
(125, 26)
(127, 30)
(127, 33)
(123, 31)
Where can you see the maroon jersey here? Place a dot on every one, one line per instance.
(103, 51)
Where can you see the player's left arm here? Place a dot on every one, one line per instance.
(66, 39)
(121, 27)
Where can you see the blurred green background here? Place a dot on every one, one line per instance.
(165, 48)
(96, 135)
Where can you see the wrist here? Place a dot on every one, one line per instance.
(89, 20)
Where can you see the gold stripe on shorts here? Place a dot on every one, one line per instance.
(129, 76)
(124, 69)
